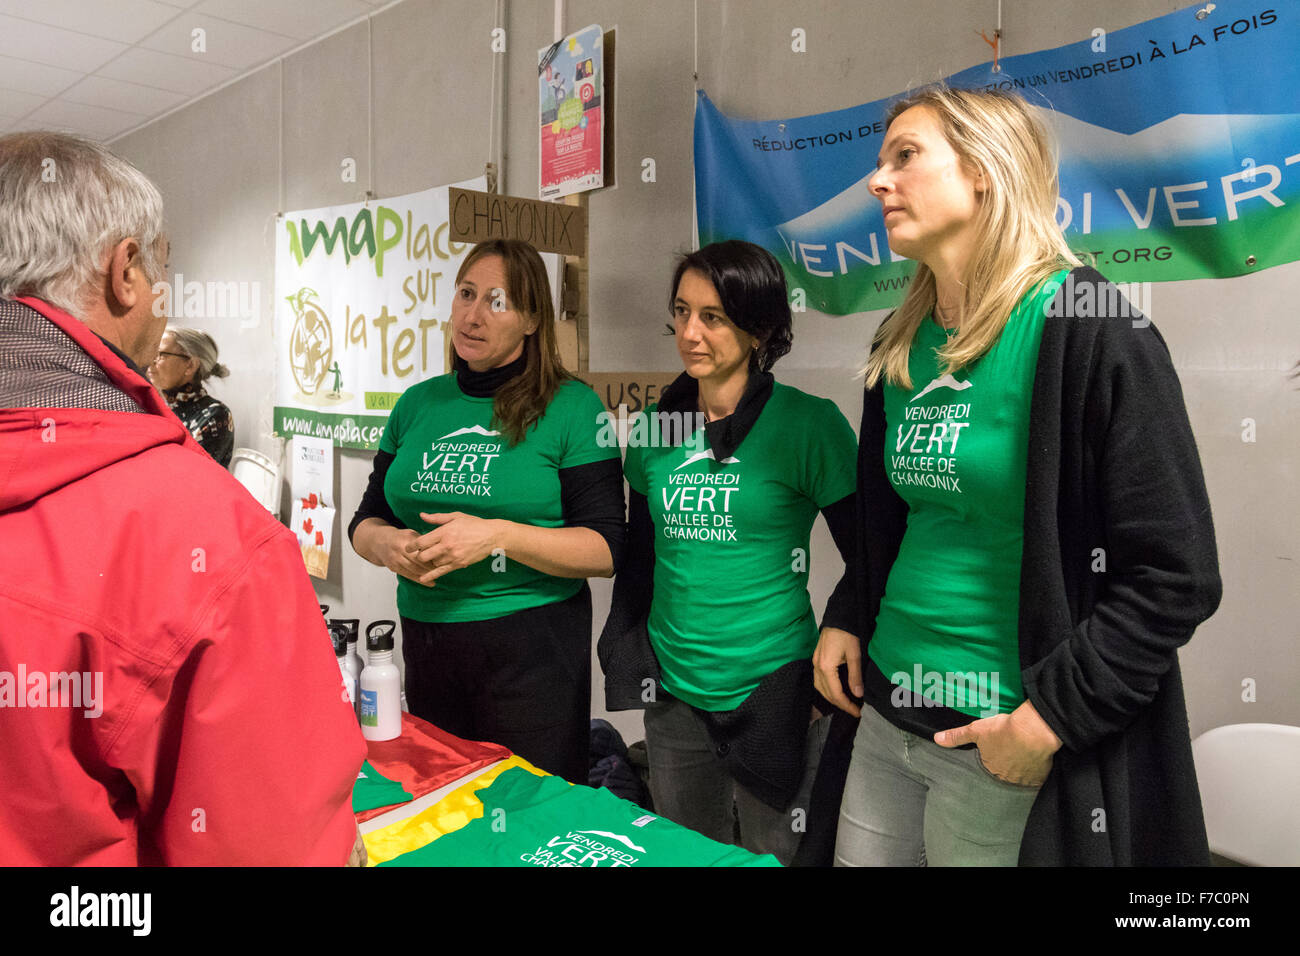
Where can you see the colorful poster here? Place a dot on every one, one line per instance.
(311, 462)
(1180, 159)
(362, 298)
(571, 84)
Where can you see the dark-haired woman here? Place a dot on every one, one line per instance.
(493, 501)
(725, 491)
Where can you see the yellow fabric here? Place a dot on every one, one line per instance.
(450, 813)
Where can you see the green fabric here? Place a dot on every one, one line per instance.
(731, 539)
(956, 452)
(373, 789)
(544, 821)
(449, 458)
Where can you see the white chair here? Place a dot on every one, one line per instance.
(1249, 776)
(260, 475)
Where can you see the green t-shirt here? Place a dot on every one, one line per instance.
(544, 821)
(373, 789)
(448, 457)
(731, 545)
(955, 451)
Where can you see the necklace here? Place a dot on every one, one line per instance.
(943, 322)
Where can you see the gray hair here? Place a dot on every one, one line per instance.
(65, 202)
(199, 345)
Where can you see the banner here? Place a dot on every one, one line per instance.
(362, 298)
(1180, 159)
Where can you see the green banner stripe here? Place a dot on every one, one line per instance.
(346, 430)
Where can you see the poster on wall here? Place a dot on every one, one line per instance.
(1180, 159)
(311, 462)
(363, 295)
(570, 82)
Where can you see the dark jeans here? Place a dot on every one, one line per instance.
(522, 681)
(690, 786)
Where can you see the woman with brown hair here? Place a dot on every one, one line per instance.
(492, 501)
(1036, 536)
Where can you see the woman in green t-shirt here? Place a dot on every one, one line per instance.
(492, 500)
(1036, 534)
(726, 482)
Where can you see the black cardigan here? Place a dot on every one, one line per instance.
(1112, 465)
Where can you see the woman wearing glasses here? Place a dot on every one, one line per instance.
(186, 359)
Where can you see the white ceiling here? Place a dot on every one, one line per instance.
(103, 67)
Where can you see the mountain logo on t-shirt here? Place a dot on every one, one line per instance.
(472, 430)
(707, 453)
(614, 836)
(943, 381)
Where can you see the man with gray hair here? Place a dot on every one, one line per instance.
(167, 695)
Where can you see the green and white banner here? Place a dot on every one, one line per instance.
(1180, 159)
(363, 296)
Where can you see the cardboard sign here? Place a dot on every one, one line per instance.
(635, 390)
(548, 227)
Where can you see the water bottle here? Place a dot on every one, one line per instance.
(339, 638)
(381, 685)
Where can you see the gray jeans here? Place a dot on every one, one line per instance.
(909, 802)
(690, 786)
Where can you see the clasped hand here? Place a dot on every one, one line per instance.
(458, 541)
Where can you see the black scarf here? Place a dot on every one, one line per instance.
(725, 434)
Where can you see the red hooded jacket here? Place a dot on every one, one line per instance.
(207, 723)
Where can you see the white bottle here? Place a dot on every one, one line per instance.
(381, 685)
(354, 662)
(338, 637)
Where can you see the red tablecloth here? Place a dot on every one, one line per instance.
(425, 758)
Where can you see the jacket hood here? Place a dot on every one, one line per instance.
(44, 447)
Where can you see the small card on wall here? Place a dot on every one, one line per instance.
(312, 483)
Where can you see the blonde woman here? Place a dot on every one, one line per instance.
(1036, 541)
(186, 359)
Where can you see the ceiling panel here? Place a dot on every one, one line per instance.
(93, 121)
(104, 67)
(127, 21)
(38, 78)
(119, 95)
(178, 74)
(42, 43)
(17, 103)
(286, 17)
(225, 43)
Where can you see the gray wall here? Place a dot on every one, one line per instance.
(217, 163)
